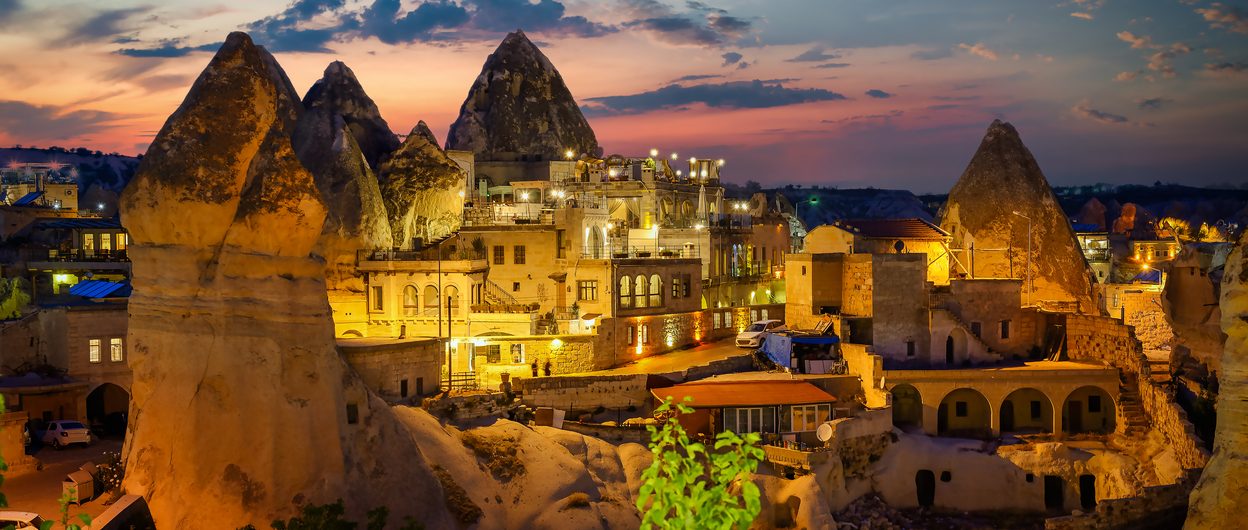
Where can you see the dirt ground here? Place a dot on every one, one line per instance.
(38, 491)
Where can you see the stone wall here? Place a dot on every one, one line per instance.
(387, 367)
(584, 393)
(870, 368)
(900, 304)
(856, 295)
(612, 433)
(626, 339)
(468, 406)
(1103, 340)
(1142, 310)
(1158, 507)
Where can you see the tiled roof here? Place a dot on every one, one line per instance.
(912, 228)
(715, 394)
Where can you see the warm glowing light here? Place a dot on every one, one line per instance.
(703, 173)
(675, 156)
(654, 152)
(669, 342)
(454, 343)
(555, 344)
(101, 205)
(1147, 266)
(699, 226)
(678, 172)
(612, 172)
(610, 226)
(693, 160)
(569, 154)
(461, 195)
(524, 196)
(720, 162)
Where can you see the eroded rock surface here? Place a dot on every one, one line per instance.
(240, 401)
(339, 92)
(1001, 179)
(422, 189)
(519, 105)
(326, 142)
(1223, 488)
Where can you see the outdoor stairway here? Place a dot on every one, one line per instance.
(495, 295)
(1159, 370)
(1131, 410)
(970, 335)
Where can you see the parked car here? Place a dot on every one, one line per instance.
(61, 433)
(752, 336)
(20, 520)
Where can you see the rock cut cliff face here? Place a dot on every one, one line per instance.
(1223, 488)
(422, 189)
(240, 399)
(1002, 178)
(519, 105)
(327, 143)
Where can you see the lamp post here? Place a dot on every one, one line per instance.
(1028, 281)
(797, 210)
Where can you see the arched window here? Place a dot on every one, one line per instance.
(411, 303)
(626, 296)
(656, 291)
(639, 291)
(453, 294)
(431, 300)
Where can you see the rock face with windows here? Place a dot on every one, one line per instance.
(423, 189)
(520, 106)
(989, 208)
(339, 118)
(1223, 487)
(239, 392)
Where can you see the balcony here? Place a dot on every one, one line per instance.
(1096, 254)
(793, 457)
(428, 260)
(641, 252)
(77, 259)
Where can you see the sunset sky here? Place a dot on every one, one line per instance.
(850, 93)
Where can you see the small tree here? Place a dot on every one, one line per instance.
(14, 297)
(689, 486)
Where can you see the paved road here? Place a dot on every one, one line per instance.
(680, 360)
(38, 491)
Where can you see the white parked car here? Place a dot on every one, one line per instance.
(752, 336)
(61, 433)
(20, 520)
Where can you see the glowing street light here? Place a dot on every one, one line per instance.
(693, 160)
(461, 194)
(720, 162)
(524, 196)
(654, 152)
(569, 154)
(675, 156)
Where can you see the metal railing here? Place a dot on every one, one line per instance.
(428, 254)
(461, 381)
(496, 295)
(1096, 254)
(646, 251)
(77, 255)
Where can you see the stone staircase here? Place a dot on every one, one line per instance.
(970, 336)
(494, 294)
(1131, 417)
(1159, 370)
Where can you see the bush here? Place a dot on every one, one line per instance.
(689, 486)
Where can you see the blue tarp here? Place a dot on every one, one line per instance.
(816, 339)
(99, 289)
(1153, 276)
(778, 348)
(28, 198)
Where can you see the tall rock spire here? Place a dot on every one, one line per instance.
(520, 106)
(422, 189)
(989, 207)
(339, 92)
(229, 336)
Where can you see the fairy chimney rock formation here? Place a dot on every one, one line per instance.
(422, 189)
(1093, 213)
(241, 401)
(338, 92)
(520, 106)
(989, 207)
(328, 145)
(1223, 486)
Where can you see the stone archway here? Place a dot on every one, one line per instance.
(964, 413)
(108, 409)
(955, 347)
(1026, 410)
(1088, 409)
(907, 406)
(596, 248)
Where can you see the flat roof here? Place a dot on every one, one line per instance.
(716, 394)
(909, 228)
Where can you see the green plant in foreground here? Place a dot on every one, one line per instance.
(691, 486)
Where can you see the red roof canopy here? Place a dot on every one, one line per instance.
(717, 394)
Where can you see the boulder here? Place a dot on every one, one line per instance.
(338, 92)
(422, 189)
(242, 407)
(1223, 486)
(519, 105)
(1002, 179)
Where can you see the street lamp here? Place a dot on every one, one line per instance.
(1028, 281)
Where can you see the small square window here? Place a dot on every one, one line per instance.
(909, 348)
(353, 413)
(1005, 329)
(946, 476)
(515, 287)
(959, 409)
(1094, 403)
(1035, 410)
(977, 330)
(115, 351)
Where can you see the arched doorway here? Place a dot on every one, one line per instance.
(907, 406)
(108, 409)
(411, 301)
(965, 413)
(596, 240)
(1088, 409)
(955, 347)
(925, 487)
(1026, 410)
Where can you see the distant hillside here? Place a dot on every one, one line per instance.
(110, 170)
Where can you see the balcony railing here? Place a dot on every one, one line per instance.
(77, 255)
(1096, 254)
(640, 252)
(795, 458)
(428, 254)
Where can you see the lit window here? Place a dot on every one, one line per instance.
(626, 298)
(656, 291)
(806, 418)
(379, 303)
(93, 349)
(587, 290)
(518, 255)
(115, 350)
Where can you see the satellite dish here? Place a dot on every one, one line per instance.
(825, 431)
(899, 246)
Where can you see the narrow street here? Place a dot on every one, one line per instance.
(680, 360)
(38, 491)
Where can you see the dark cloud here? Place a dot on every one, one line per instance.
(1153, 103)
(878, 94)
(731, 58)
(543, 16)
(105, 25)
(46, 122)
(732, 95)
(742, 65)
(1226, 69)
(932, 54)
(166, 49)
(832, 65)
(944, 106)
(382, 20)
(8, 8)
(814, 55)
(704, 26)
(955, 98)
(694, 77)
(700, 6)
(867, 117)
(1084, 111)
